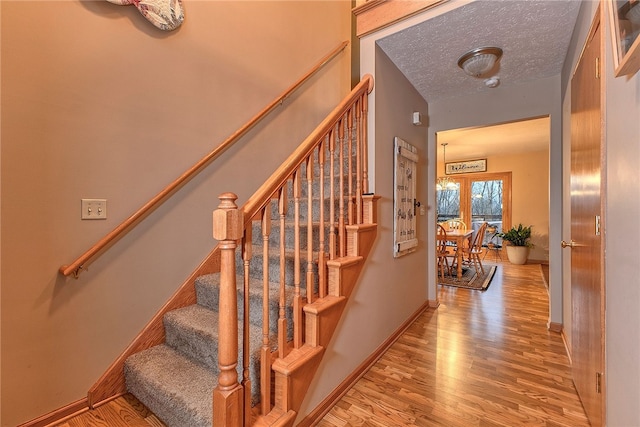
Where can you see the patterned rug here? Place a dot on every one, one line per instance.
(469, 279)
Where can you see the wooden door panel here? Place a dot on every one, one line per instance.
(586, 255)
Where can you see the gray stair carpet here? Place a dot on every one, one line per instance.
(176, 380)
(177, 389)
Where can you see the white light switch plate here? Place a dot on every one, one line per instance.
(94, 209)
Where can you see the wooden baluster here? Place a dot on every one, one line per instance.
(341, 229)
(358, 162)
(247, 252)
(322, 276)
(282, 319)
(365, 153)
(228, 227)
(309, 283)
(332, 195)
(265, 353)
(297, 298)
(350, 206)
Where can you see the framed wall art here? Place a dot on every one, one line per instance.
(624, 21)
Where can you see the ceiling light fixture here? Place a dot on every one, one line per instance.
(480, 61)
(444, 183)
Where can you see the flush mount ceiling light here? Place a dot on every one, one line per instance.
(480, 61)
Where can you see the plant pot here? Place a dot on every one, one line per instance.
(517, 254)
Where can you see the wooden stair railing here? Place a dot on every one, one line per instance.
(80, 264)
(342, 140)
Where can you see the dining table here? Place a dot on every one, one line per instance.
(458, 237)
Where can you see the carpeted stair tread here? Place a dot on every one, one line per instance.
(193, 331)
(208, 293)
(289, 253)
(274, 252)
(256, 264)
(174, 387)
(274, 236)
(315, 206)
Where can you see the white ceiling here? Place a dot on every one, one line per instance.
(477, 143)
(533, 34)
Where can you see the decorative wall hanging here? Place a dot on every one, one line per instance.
(164, 14)
(468, 166)
(405, 168)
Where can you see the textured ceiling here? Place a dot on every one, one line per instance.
(534, 36)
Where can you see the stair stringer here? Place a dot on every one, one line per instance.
(294, 372)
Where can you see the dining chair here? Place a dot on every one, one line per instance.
(442, 251)
(455, 224)
(492, 246)
(474, 251)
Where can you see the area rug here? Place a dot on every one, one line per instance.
(469, 279)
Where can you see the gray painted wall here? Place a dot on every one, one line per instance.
(389, 290)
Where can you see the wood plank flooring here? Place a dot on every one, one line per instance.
(481, 359)
(125, 411)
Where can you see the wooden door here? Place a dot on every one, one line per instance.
(587, 284)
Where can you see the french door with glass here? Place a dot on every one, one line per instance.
(476, 198)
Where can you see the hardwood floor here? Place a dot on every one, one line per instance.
(481, 359)
(124, 411)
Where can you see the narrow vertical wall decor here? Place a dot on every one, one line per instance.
(404, 198)
(164, 14)
(624, 22)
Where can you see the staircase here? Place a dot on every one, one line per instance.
(292, 255)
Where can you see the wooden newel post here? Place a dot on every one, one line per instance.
(228, 396)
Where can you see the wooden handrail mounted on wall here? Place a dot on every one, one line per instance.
(112, 382)
(76, 267)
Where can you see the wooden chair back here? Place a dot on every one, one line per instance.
(479, 239)
(476, 248)
(455, 224)
(441, 239)
(442, 252)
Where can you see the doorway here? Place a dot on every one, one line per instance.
(517, 157)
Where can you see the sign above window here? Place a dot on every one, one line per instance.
(468, 166)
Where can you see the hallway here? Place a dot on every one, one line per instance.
(480, 359)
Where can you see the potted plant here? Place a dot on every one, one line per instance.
(519, 244)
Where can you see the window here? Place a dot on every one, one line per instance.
(478, 198)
